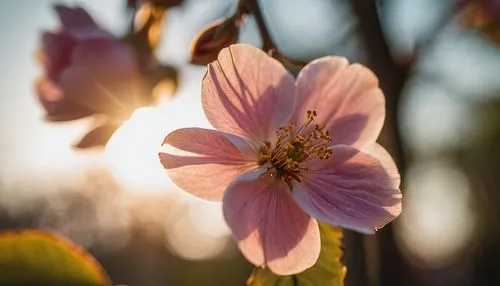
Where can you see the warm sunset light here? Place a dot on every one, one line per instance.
(250, 142)
(132, 152)
(198, 230)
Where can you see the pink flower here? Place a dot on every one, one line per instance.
(492, 9)
(87, 71)
(287, 153)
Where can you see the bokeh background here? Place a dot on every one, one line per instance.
(117, 201)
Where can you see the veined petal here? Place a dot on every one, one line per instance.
(352, 189)
(247, 93)
(271, 229)
(346, 97)
(203, 161)
(386, 160)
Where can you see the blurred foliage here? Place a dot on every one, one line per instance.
(328, 270)
(481, 161)
(36, 257)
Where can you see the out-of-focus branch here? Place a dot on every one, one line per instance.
(392, 269)
(253, 8)
(443, 23)
(392, 75)
(268, 45)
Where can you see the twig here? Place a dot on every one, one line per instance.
(392, 267)
(268, 45)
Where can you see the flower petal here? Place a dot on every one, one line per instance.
(247, 93)
(271, 229)
(203, 161)
(386, 160)
(346, 97)
(58, 107)
(74, 18)
(353, 190)
(105, 77)
(56, 52)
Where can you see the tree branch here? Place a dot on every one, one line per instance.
(268, 45)
(392, 268)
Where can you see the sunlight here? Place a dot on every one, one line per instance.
(132, 152)
(198, 230)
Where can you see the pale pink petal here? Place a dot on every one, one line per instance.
(271, 229)
(346, 97)
(203, 161)
(247, 93)
(386, 160)
(353, 190)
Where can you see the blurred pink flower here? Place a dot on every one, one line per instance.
(492, 9)
(87, 71)
(277, 172)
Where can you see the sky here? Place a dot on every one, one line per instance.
(29, 141)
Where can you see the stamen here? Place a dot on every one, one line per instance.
(294, 147)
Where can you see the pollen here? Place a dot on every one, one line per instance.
(293, 147)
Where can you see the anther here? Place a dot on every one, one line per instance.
(293, 147)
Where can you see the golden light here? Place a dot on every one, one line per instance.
(208, 218)
(195, 229)
(198, 231)
(164, 90)
(132, 152)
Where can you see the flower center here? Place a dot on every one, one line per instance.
(293, 147)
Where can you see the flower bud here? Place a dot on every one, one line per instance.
(212, 39)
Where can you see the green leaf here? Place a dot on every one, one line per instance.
(328, 270)
(36, 257)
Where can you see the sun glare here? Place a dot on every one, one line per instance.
(132, 155)
(132, 152)
(198, 231)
